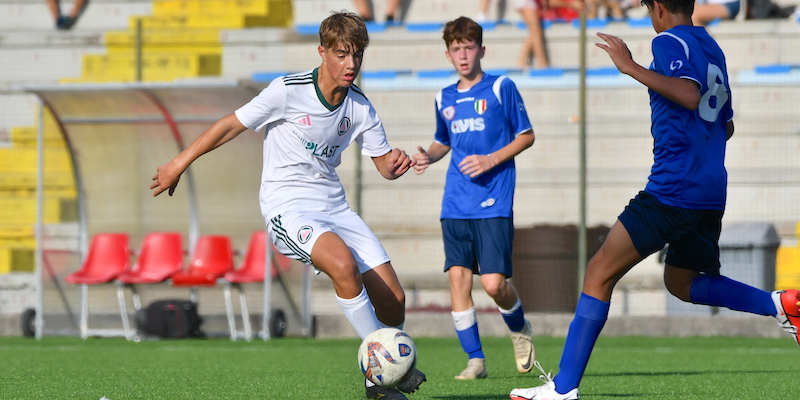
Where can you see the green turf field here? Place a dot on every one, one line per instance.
(294, 368)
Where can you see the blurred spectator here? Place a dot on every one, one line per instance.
(65, 22)
(364, 9)
(706, 11)
(533, 12)
(767, 9)
(533, 48)
(613, 9)
(562, 10)
(484, 11)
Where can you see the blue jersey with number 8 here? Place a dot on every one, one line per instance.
(689, 146)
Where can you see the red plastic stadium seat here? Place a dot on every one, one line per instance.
(251, 271)
(107, 258)
(252, 268)
(160, 257)
(212, 258)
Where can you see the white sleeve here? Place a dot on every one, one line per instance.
(267, 107)
(373, 140)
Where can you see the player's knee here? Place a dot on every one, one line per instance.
(496, 289)
(679, 290)
(342, 269)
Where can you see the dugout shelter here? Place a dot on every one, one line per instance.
(115, 137)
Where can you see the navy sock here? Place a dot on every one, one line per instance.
(720, 291)
(515, 318)
(471, 341)
(590, 317)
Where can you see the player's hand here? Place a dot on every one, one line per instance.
(166, 177)
(476, 164)
(422, 160)
(398, 162)
(618, 51)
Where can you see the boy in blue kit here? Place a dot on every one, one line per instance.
(683, 201)
(482, 119)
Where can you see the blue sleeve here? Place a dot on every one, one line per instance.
(516, 114)
(671, 58)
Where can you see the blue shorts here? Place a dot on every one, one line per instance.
(482, 245)
(692, 235)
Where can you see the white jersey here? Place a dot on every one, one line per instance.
(304, 139)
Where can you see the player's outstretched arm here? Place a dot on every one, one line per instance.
(425, 158)
(393, 164)
(681, 91)
(477, 164)
(168, 175)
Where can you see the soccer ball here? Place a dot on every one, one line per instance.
(386, 356)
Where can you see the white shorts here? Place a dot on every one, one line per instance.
(521, 4)
(294, 234)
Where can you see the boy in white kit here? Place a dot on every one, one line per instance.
(308, 120)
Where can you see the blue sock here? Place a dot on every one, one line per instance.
(466, 323)
(471, 342)
(515, 317)
(720, 291)
(590, 317)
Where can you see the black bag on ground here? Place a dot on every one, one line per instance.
(170, 319)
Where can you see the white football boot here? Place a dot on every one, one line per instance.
(544, 392)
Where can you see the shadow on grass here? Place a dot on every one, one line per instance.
(680, 373)
(488, 396)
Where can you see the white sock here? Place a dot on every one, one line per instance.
(464, 319)
(511, 311)
(360, 313)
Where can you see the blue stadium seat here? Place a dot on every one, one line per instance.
(384, 74)
(488, 25)
(435, 73)
(643, 22)
(775, 68)
(546, 23)
(602, 71)
(546, 72)
(425, 27)
(591, 23)
(266, 77)
(502, 71)
(375, 27)
(307, 29)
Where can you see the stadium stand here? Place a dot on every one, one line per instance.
(765, 73)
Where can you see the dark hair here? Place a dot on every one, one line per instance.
(344, 28)
(685, 7)
(461, 30)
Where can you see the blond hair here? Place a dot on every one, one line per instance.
(346, 29)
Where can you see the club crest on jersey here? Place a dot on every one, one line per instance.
(449, 113)
(304, 234)
(344, 126)
(480, 106)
